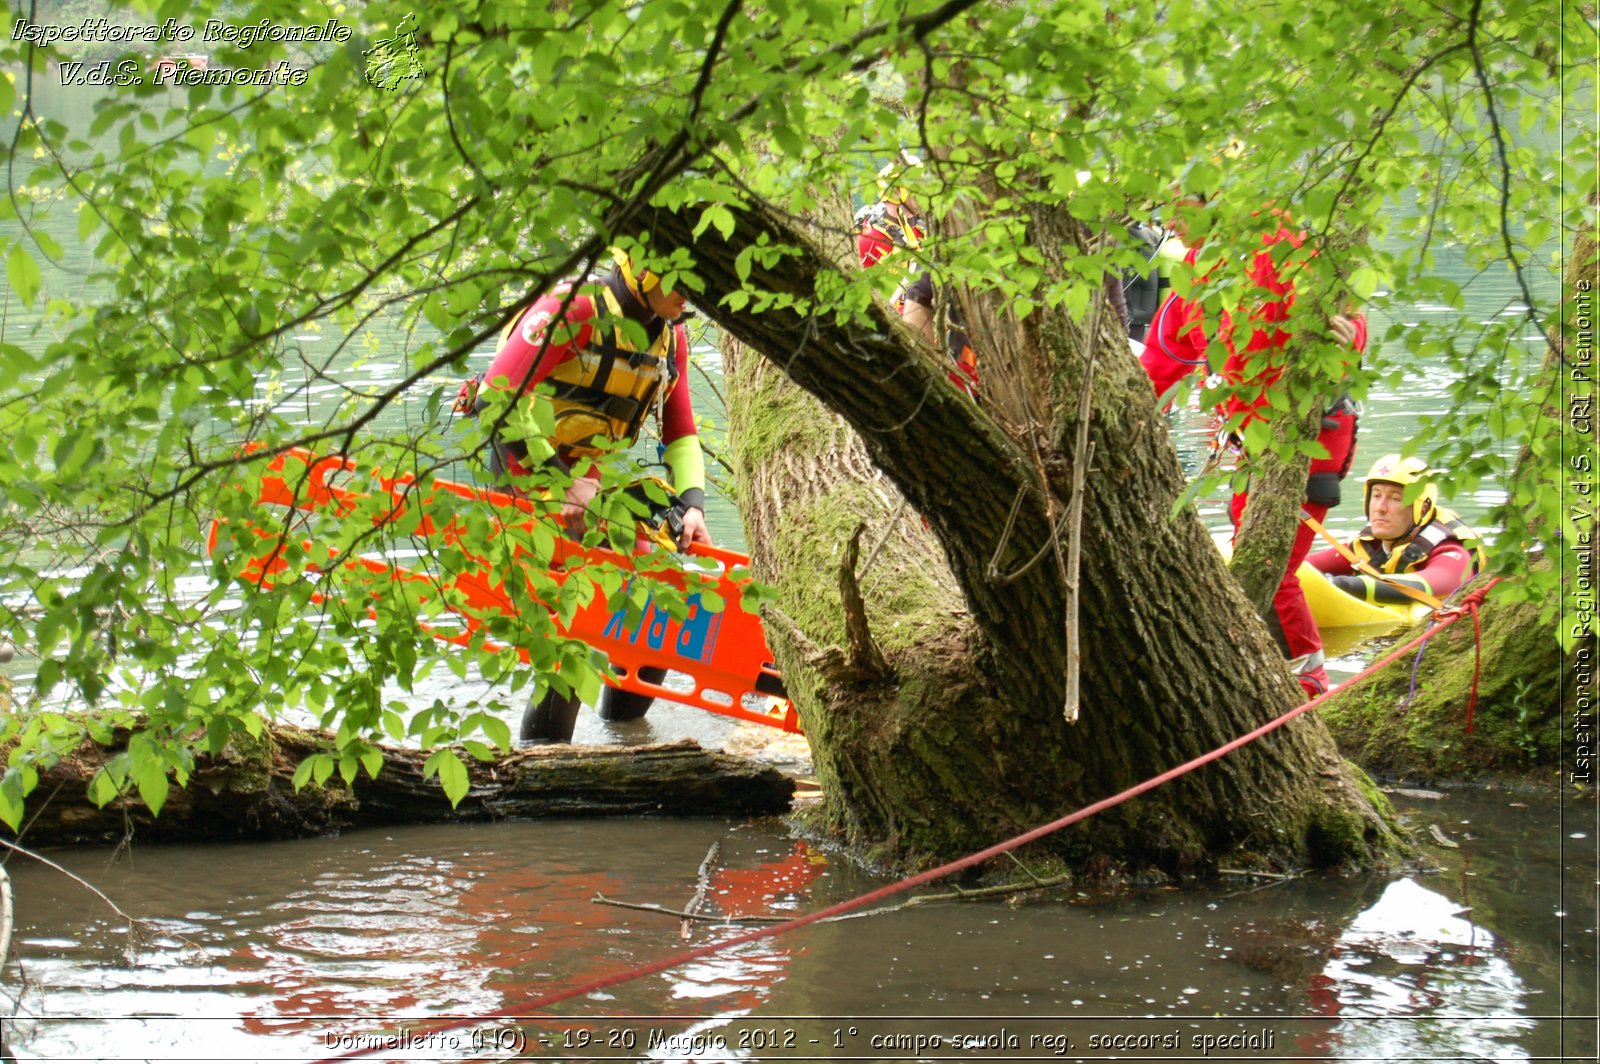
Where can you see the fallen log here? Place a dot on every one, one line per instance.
(246, 792)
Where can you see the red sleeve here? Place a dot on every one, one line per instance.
(1262, 354)
(1330, 561)
(538, 342)
(677, 420)
(1176, 343)
(873, 244)
(1446, 569)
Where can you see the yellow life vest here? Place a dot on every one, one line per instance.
(1445, 525)
(604, 390)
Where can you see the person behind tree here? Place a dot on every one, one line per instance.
(1178, 344)
(891, 224)
(1417, 544)
(1145, 289)
(606, 384)
(894, 224)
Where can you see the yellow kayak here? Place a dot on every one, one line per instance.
(1332, 608)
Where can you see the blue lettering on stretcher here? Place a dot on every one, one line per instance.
(697, 636)
(656, 631)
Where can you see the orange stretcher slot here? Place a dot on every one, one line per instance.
(724, 653)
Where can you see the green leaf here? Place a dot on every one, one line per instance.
(47, 244)
(498, 731)
(22, 273)
(452, 774)
(11, 801)
(1363, 283)
(150, 777)
(102, 788)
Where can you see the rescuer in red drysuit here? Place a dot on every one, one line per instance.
(1176, 346)
(605, 386)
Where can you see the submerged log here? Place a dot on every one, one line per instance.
(246, 792)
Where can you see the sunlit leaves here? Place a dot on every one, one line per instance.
(245, 241)
(452, 773)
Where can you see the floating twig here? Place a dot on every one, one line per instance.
(1258, 875)
(133, 925)
(707, 918)
(702, 888)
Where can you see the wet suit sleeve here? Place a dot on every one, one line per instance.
(683, 454)
(1329, 561)
(1447, 567)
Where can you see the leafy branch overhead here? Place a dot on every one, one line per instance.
(192, 271)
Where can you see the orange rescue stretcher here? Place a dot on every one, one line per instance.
(724, 652)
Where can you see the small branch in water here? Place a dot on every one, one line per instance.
(709, 918)
(133, 925)
(960, 895)
(1025, 869)
(702, 888)
(921, 899)
(1258, 875)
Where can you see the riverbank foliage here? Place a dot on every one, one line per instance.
(188, 273)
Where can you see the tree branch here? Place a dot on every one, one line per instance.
(1498, 136)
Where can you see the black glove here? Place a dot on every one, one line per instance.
(1350, 585)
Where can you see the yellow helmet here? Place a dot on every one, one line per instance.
(638, 282)
(1393, 469)
(889, 188)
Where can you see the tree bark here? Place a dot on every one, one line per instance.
(962, 742)
(246, 793)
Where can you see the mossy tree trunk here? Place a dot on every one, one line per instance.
(946, 732)
(1417, 731)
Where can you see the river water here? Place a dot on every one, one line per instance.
(298, 951)
(295, 951)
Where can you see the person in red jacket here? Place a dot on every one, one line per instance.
(1257, 345)
(894, 224)
(606, 385)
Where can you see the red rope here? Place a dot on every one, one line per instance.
(1470, 604)
(456, 1023)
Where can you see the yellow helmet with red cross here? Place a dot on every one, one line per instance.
(1393, 469)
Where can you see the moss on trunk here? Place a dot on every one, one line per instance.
(959, 741)
(1518, 725)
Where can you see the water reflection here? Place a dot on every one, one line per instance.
(269, 951)
(1411, 976)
